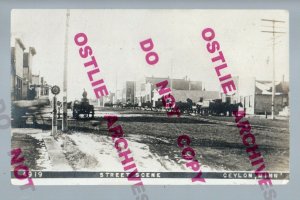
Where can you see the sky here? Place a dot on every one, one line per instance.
(114, 37)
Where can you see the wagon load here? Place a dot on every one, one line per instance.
(83, 107)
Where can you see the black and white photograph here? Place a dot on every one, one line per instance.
(158, 96)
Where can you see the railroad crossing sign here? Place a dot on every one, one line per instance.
(55, 90)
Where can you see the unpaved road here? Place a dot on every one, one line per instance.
(153, 141)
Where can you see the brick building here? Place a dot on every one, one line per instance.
(145, 89)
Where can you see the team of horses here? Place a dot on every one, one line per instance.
(212, 107)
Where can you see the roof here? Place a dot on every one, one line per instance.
(177, 83)
(154, 80)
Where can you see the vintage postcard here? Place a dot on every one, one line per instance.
(149, 97)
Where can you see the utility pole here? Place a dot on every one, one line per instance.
(273, 41)
(54, 117)
(65, 81)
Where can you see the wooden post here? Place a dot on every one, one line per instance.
(54, 117)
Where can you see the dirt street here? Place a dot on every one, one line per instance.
(153, 141)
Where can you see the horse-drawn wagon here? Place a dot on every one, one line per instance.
(83, 107)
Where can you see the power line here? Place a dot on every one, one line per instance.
(273, 44)
(272, 20)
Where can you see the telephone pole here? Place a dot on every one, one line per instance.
(65, 81)
(273, 32)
